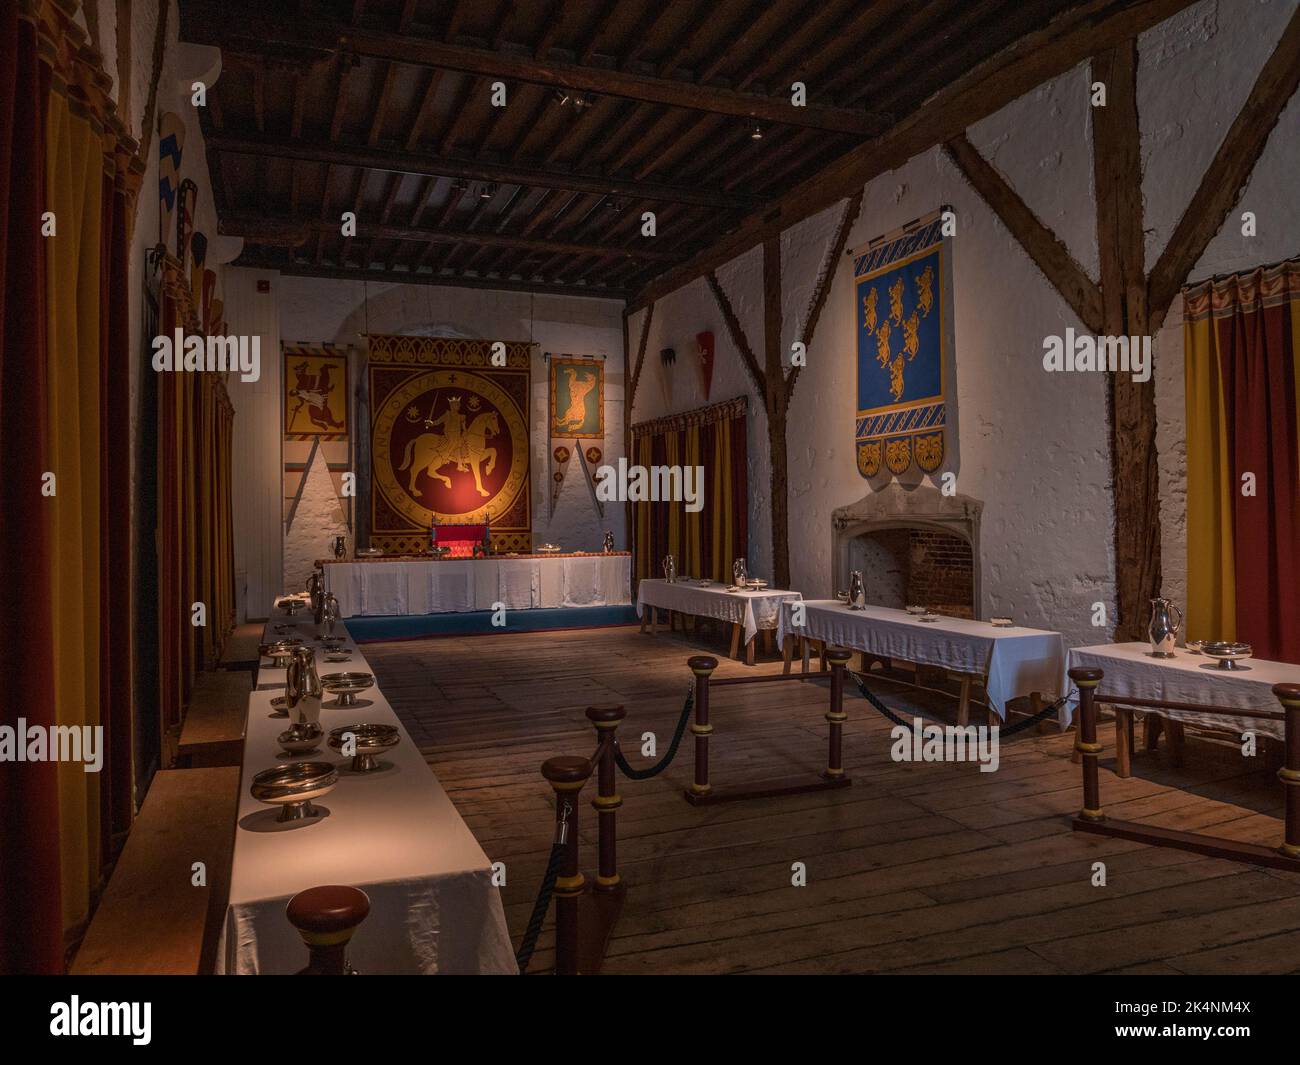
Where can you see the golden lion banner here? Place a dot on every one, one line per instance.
(901, 284)
(449, 440)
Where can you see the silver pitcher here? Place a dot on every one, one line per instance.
(739, 572)
(340, 547)
(302, 690)
(857, 591)
(315, 585)
(670, 569)
(1166, 624)
(329, 614)
(609, 542)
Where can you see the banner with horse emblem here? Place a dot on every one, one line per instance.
(449, 440)
(577, 397)
(316, 422)
(900, 304)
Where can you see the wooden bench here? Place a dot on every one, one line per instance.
(212, 733)
(152, 919)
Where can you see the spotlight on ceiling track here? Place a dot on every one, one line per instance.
(756, 133)
(487, 191)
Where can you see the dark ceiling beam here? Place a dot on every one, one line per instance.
(1073, 36)
(245, 32)
(298, 268)
(430, 165)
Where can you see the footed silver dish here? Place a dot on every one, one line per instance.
(368, 741)
(293, 785)
(1226, 653)
(346, 686)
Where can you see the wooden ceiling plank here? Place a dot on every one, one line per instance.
(442, 165)
(209, 24)
(1073, 36)
(299, 268)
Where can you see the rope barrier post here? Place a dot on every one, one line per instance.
(1086, 680)
(702, 666)
(567, 775)
(326, 918)
(1289, 696)
(835, 716)
(606, 720)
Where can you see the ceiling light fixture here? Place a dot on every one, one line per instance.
(756, 134)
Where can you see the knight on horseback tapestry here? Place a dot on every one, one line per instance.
(449, 440)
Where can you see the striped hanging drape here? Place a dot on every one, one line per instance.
(68, 182)
(706, 542)
(1241, 334)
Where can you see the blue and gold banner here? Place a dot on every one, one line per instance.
(899, 304)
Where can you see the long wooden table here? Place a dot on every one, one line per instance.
(748, 612)
(395, 834)
(1013, 661)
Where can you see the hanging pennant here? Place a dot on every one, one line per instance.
(590, 460)
(171, 144)
(198, 258)
(704, 352)
(560, 460)
(188, 199)
(667, 360)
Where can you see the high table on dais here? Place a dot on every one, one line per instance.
(749, 611)
(1012, 660)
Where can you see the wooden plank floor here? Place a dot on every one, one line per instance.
(933, 868)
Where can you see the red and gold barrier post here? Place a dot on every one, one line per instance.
(607, 801)
(835, 716)
(1086, 680)
(1289, 696)
(326, 918)
(702, 666)
(567, 775)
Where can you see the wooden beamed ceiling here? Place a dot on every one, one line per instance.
(384, 108)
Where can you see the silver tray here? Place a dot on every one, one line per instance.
(347, 685)
(371, 740)
(292, 786)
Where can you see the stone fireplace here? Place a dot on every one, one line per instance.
(913, 546)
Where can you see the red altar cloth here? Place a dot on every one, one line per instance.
(460, 539)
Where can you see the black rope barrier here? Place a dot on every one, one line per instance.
(1003, 731)
(663, 763)
(540, 907)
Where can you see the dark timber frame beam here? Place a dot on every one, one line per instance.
(1073, 36)
(1221, 187)
(262, 35)
(427, 164)
(1135, 475)
(1040, 243)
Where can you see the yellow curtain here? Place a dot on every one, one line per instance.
(691, 550)
(645, 564)
(1211, 583)
(74, 188)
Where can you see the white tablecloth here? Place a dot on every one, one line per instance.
(394, 834)
(1129, 669)
(751, 610)
(1014, 661)
(456, 585)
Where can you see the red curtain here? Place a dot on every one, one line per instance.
(31, 928)
(1257, 349)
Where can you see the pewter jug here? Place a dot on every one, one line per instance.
(340, 547)
(315, 584)
(609, 542)
(302, 690)
(670, 569)
(857, 591)
(329, 614)
(739, 572)
(1166, 624)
